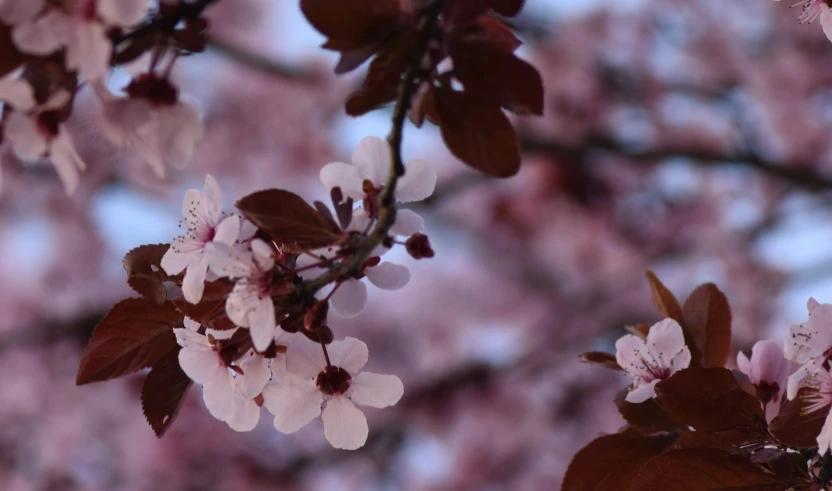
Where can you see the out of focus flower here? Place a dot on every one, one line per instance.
(368, 174)
(250, 303)
(202, 213)
(154, 119)
(13, 12)
(36, 131)
(809, 344)
(308, 381)
(768, 370)
(81, 27)
(650, 361)
(228, 390)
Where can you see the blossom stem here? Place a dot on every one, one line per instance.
(386, 200)
(167, 22)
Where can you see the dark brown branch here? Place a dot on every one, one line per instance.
(259, 62)
(167, 22)
(799, 174)
(387, 205)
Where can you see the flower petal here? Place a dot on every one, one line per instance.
(218, 394)
(344, 176)
(66, 160)
(642, 392)
(350, 354)
(293, 402)
(345, 426)
(189, 337)
(89, 50)
(389, 276)
(122, 13)
(244, 414)
(177, 258)
(826, 24)
(26, 139)
(193, 285)
(305, 359)
(44, 35)
(213, 198)
(372, 160)
(417, 183)
(263, 254)
(16, 12)
(825, 437)
(744, 365)
(256, 375)
(350, 298)
(18, 93)
(228, 230)
(201, 364)
(227, 261)
(370, 389)
(666, 338)
(407, 223)
(262, 324)
(768, 363)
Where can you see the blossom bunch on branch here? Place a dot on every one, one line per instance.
(694, 424)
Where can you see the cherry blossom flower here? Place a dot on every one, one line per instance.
(203, 217)
(228, 389)
(768, 370)
(81, 27)
(350, 295)
(809, 344)
(154, 119)
(308, 382)
(368, 174)
(13, 12)
(812, 9)
(36, 131)
(650, 361)
(250, 303)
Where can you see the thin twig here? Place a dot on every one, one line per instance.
(387, 207)
(259, 62)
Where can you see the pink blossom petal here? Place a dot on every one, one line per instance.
(360, 220)
(826, 24)
(819, 330)
(345, 176)
(418, 182)
(825, 437)
(188, 337)
(256, 375)
(241, 301)
(797, 379)
(191, 325)
(122, 13)
(44, 35)
(262, 324)
(17, 93)
(350, 354)
(666, 337)
(680, 361)
(228, 230)
(305, 359)
(642, 392)
(228, 262)
(811, 304)
(243, 415)
(345, 426)
(66, 160)
(263, 254)
(294, 402)
(218, 394)
(370, 389)
(176, 260)
(627, 353)
(26, 139)
(350, 298)
(193, 285)
(201, 364)
(372, 160)
(768, 363)
(389, 276)
(744, 365)
(14, 12)
(89, 50)
(407, 223)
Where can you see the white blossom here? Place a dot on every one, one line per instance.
(809, 344)
(228, 390)
(650, 361)
(250, 303)
(307, 382)
(768, 370)
(202, 213)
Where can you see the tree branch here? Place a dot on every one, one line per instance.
(799, 174)
(259, 62)
(387, 205)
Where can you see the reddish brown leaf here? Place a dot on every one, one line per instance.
(725, 440)
(163, 391)
(602, 359)
(132, 336)
(354, 24)
(709, 399)
(463, 11)
(490, 31)
(612, 462)
(144, 271)
(291, 222)
(10, 57)
(794, 427)
(664, 300)
(508, 8)
(210, 311)
(641, 330)
(708, 319)
(478, 134)
(497, 75)
(382, 81)
(647, 417)
(703, 470)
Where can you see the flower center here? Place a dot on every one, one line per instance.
(333, 381)
(768, 392)
(371, 193)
